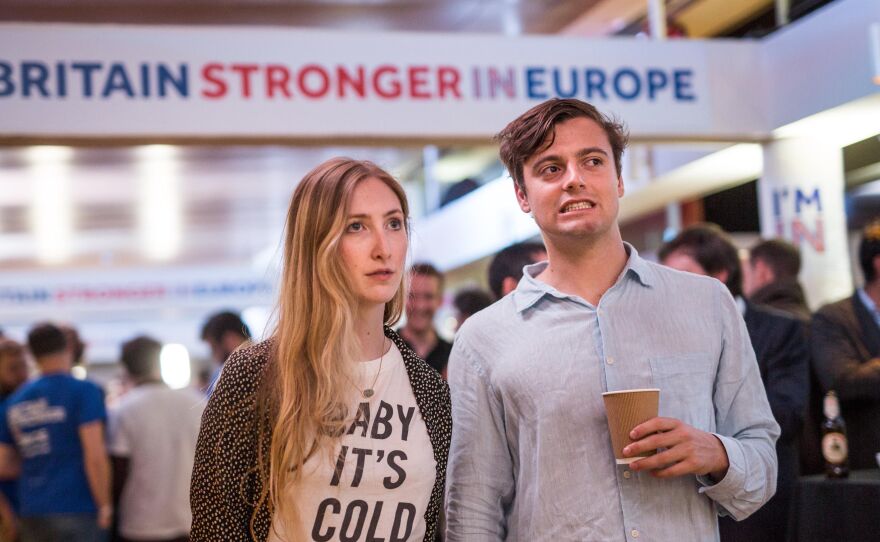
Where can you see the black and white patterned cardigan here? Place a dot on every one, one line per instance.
(225, 485)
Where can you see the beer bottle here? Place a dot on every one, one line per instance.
(834, 444)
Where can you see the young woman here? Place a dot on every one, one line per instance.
(332, 429)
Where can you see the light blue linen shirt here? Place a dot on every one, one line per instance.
(531, 455)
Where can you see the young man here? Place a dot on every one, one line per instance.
(531, 457)
(152, 441)
(53, 434)
(783, 356)
(425, 297)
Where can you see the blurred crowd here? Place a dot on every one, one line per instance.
(123, 472)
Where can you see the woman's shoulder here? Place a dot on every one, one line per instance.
(246, 364)
(423, 377)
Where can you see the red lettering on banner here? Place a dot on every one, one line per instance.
(322, 75)
(417, 82)
(245, 71)
(448, 79)
(357, 83)
(394, 91)
(277, 78)
(208, 75)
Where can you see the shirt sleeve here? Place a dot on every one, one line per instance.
(92, 405)
(117, 439)
(745, 424)
(479, 482)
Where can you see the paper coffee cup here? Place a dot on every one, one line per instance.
(625, 409)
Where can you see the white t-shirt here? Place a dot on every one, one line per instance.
(156, 428)
(377, 484)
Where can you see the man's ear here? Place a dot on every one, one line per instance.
(620, 189)
(521, 198)
(722, 275)
(508, 285)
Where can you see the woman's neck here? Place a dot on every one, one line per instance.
(370, 331)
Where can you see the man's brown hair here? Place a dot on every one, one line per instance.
(534, 131)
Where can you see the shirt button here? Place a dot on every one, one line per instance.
(609, 360)
(634, 533)
(627, 474)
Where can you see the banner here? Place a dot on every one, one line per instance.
(93, 80)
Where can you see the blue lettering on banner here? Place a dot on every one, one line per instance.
(34, 74)
(683, 90)
(117, 79)
(532, 83)
(627, 84)
(93, 79)
(24, 296)
(635, 84)
(7, 87)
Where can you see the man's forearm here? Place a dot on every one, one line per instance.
(98, 476)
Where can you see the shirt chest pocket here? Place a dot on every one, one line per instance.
(686, 383)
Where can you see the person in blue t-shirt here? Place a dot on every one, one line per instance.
(52, 436)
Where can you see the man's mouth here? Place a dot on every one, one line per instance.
(577, 206)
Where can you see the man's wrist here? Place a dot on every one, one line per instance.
(721, 464)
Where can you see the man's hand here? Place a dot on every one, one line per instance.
(105, 517)
(687, 450)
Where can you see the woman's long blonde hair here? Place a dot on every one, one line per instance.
(306, 386)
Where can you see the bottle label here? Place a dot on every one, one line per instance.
(834, 448)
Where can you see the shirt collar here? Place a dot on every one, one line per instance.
(867, 302)
(530, 290)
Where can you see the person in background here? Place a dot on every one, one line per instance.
(425, 298)
(781, 349)
(52, 434)
(74, 343)
(774, 265)
(531, 457)
(152, 441)
(468, 302)
(13, 373)
(13, 367)
(845, 342)
(224, 332)
(506, 267)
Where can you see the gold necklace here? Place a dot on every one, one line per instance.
(369, 392)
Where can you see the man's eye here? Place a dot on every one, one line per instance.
(594, 161)
(551, 170)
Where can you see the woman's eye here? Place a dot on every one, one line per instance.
(354, 227)
(395, 224)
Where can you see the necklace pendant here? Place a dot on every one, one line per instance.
(368, 393)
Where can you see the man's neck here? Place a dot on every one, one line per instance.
(585, 268)
(422, 341)
(51, 365)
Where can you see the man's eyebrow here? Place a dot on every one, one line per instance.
(581, 153)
